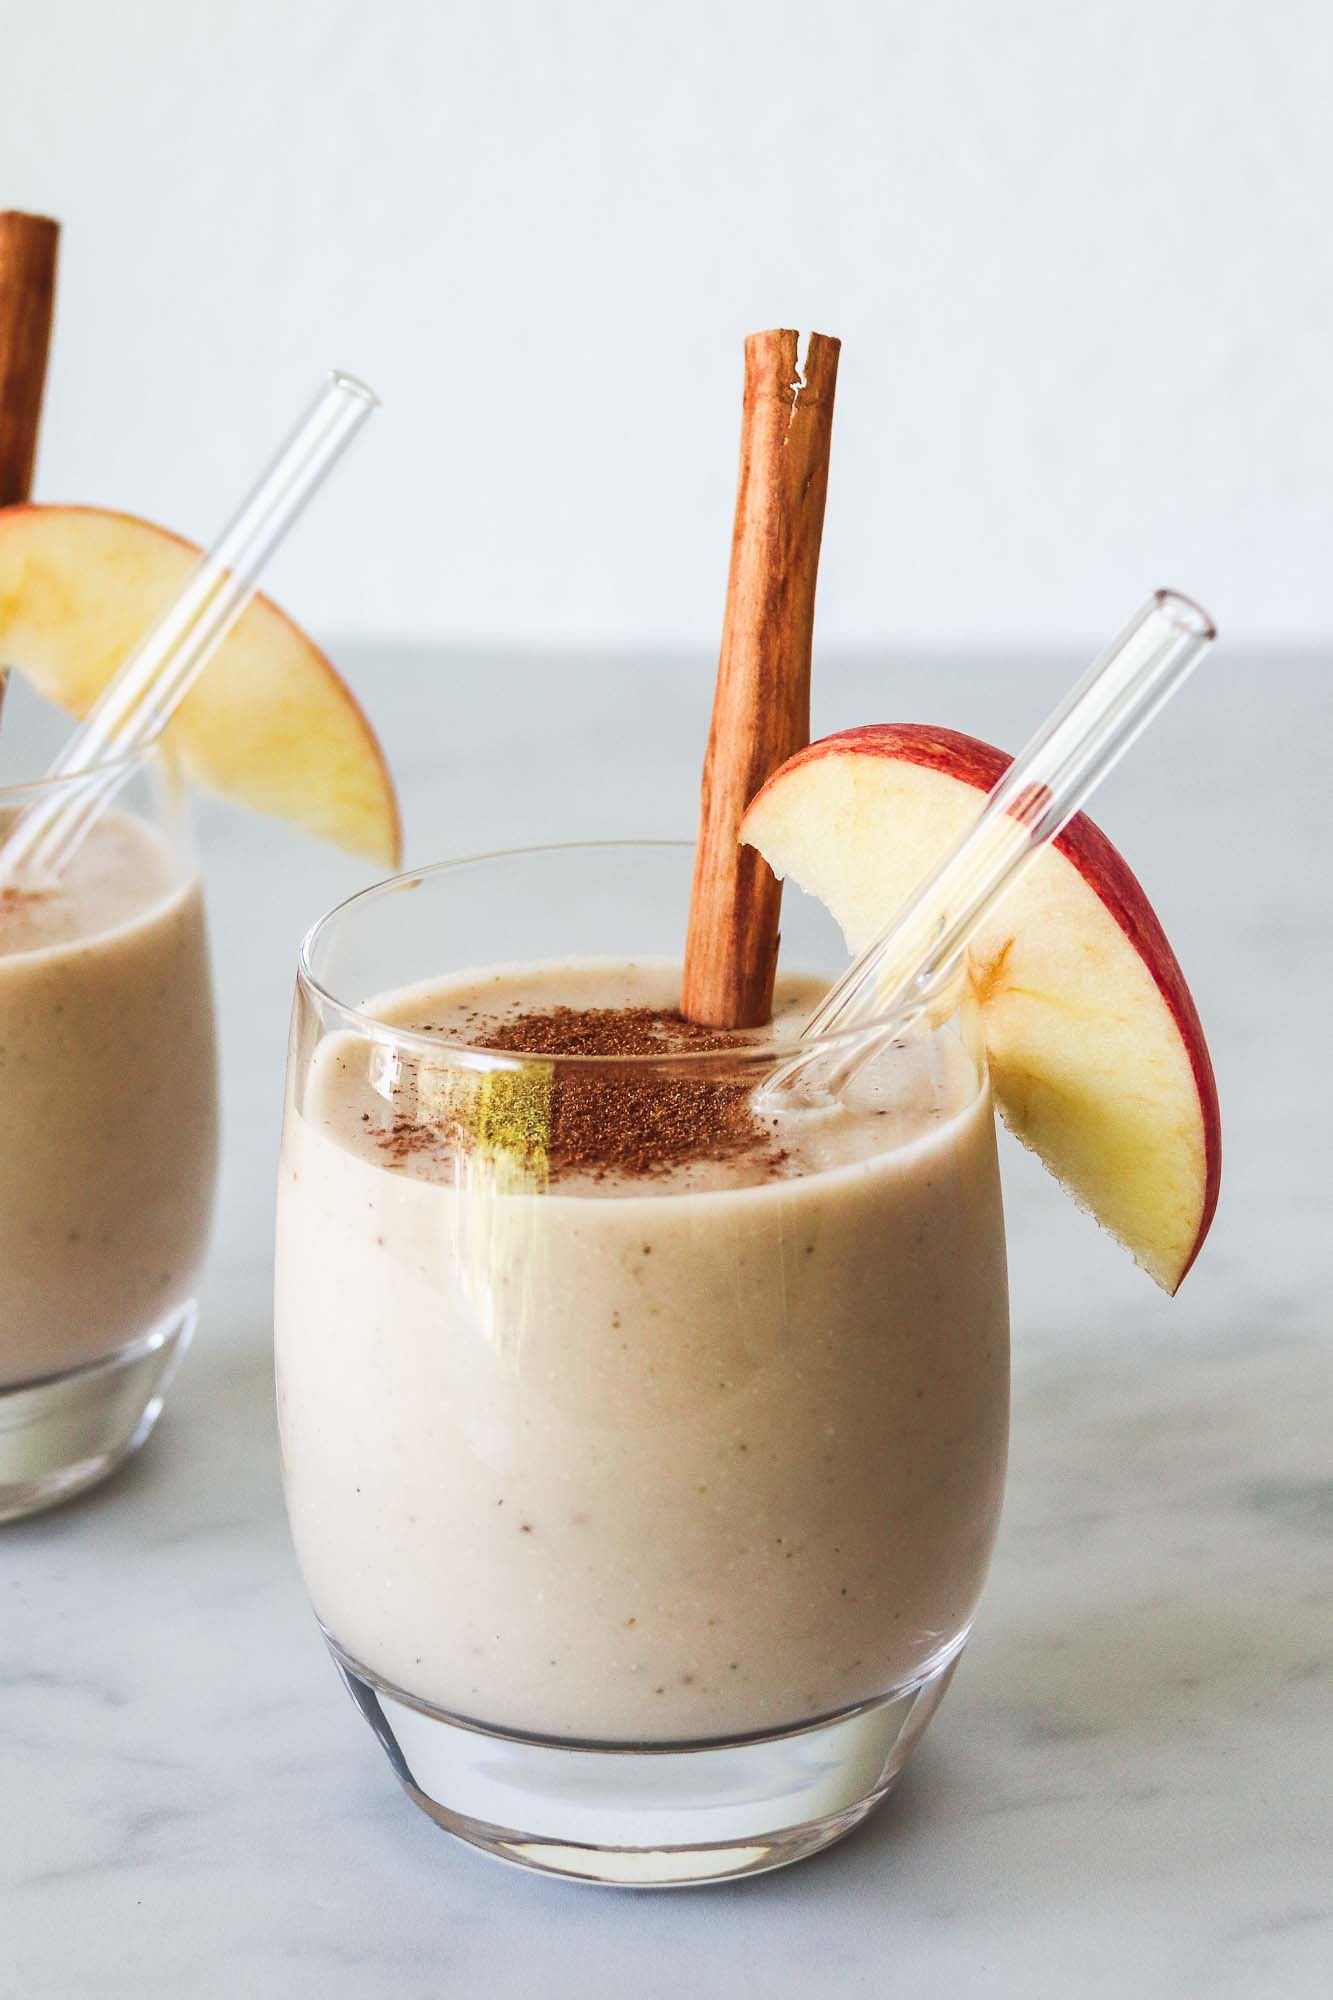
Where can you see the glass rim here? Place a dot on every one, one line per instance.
(27, 790)
(468, 1055)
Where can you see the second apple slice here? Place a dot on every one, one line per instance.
(269, 723)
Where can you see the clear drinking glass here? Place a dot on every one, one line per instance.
(108, 1146)
(645, 1519)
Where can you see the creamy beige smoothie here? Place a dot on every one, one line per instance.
(594, 1452)
(107, 1077)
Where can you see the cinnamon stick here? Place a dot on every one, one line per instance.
(761, 710)
(27, 296)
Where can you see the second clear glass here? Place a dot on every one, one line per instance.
(108, 1152)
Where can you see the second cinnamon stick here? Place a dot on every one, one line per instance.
(27, 297)
(761, 709)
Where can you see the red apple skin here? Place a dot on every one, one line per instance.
(971, 762)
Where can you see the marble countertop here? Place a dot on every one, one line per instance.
(1128, 1790)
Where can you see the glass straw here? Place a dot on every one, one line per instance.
(914, 961)
(140, 700)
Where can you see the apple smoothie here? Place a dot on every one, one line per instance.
(107, 1156)
(612, 1408)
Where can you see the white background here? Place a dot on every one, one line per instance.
(1078, 256)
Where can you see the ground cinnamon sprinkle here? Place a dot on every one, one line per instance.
(595, 1121)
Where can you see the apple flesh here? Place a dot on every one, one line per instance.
(269, 723)
(1098, 1059)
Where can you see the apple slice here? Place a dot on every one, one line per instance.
(269, 723)
(1098, 1060)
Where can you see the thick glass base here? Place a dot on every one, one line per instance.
(63, 1434)
(656, 1816)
